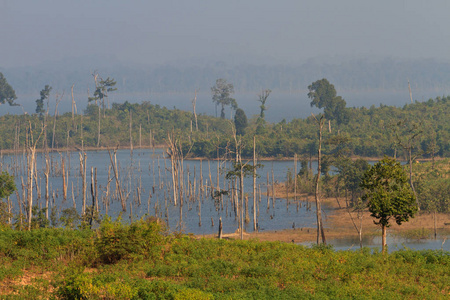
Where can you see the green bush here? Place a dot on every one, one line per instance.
(118, 241)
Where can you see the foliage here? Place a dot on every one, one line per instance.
(323, 95)
(66, 264)
(221, 95)
(350, 174)
(433, 185)
(362, 135)
(38, 219)
(388, 193)
(240, 121)
(102, 88)
(7, 93)
(69, 218)
(45, 93)
(7, 185)
(262, 99)
(118, 241)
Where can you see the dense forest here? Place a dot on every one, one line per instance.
(369, 132)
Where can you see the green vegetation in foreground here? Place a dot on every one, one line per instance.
(140, 261)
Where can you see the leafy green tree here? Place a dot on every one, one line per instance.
(69, 217)
(102, 88)
(240, 121)
(388, 194)
(45, 93)
(323, 95)
(7, 93)
(7, 187)
(350, 174)
(221, 95)
(263, 98)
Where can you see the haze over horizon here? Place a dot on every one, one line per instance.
(60, 42)
(156, 32)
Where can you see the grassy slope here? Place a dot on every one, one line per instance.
(140, 262)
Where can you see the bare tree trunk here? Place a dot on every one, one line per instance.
(46, 174)
(274, 197)
(91, 217)
(31, 156)
(131, 138)
(74, 106)
(268, 192)
(116, 176)
(54, 121)
(295, 179)
(220, 228)
(31, 163)
(383, 239)
(194, 101)
(63, 170)
(254, 184)
(98, 134)
(320, 230)
(411, 183)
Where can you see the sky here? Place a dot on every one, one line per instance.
(157, 32)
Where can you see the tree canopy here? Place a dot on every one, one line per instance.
(240, 121)
(45, 93)
(221, 95)
(102, 88)
(7, 185)
(323, 95)
(388, 194)
(7, 93)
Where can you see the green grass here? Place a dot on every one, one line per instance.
(140, 261)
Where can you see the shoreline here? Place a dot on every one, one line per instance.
(162, 146)
(338, 225)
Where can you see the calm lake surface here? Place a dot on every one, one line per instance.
(149, 172)
(146, 183)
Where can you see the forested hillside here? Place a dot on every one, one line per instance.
(369, 132)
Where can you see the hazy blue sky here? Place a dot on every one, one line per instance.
(161, 31)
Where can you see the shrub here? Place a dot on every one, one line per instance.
(118, 241)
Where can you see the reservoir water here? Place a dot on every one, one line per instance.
(146, 183)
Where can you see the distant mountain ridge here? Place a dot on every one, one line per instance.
(352, 74)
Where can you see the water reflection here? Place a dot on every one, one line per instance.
(394, 243)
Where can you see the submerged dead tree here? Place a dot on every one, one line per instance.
(320, 230)
(194, 103)
(58, 99)
(116, 176)
(31, 158)
(176, 155)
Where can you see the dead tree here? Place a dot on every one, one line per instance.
(31, 157)
(407, 140)
(320, 230)
(254, 184)
(74, 107)
(83, 180)
(194, 102)
(116, 176)
(131, 138)
(58, 99)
